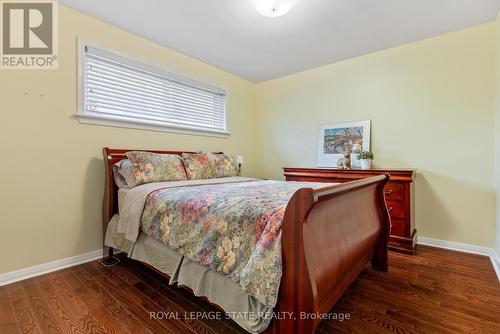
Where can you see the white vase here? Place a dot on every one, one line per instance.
(355, 160)
(366, 163)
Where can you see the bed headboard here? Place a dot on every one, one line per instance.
(110, 198)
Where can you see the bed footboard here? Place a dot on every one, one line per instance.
(328, 237)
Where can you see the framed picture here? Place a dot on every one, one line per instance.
(333, 138)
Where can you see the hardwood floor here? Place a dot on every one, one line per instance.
(433, 291)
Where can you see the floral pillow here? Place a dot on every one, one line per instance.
(198, 166)
(151, 167)
(225, 165)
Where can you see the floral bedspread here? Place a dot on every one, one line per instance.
(233, 228)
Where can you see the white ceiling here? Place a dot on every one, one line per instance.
(231, 35)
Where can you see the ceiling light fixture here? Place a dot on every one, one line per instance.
(273, 8)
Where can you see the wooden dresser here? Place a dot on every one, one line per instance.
(399, 194)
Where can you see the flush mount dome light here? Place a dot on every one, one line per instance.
(273, 8)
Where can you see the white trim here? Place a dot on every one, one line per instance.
(86, 117)
(22, 274)
(495, 260)
(80, 76)
(456, 246)
(465, 248)
(117, 121)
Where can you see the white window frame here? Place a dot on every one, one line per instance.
(87, 117)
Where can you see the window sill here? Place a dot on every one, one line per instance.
(123, 122)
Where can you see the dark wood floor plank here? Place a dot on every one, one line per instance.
(136, 304)
(99, 310)
(162, 304)
(408, 317)
(420, 320)
(92, 316)
(48, 321)
(418, 298)
(434, 291)
(60, 306)
(381, 314)
(8, 322)
(92, 293)
(21, 308)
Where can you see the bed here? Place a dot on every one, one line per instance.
(328, 235)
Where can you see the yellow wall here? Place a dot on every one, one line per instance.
(51, 166)
(432, 108)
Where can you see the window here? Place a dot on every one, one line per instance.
(118, 91)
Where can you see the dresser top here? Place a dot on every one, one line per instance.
(396, 174)
(354, 169)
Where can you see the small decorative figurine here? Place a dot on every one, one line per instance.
(345, 162)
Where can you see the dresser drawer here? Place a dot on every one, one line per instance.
(394, 191)
(398, 227)
(396, 209)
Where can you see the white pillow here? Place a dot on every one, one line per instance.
(124, 174)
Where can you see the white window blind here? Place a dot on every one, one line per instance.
(122, 90)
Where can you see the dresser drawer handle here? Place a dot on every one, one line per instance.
(388, 192)
(390, 209)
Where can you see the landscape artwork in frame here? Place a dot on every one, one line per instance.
(334, 137)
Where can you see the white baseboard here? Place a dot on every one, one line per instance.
(22, 274)
(465, 248)
(456, 246)
(495, 260)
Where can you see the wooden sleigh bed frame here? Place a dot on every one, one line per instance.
(328, 237)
